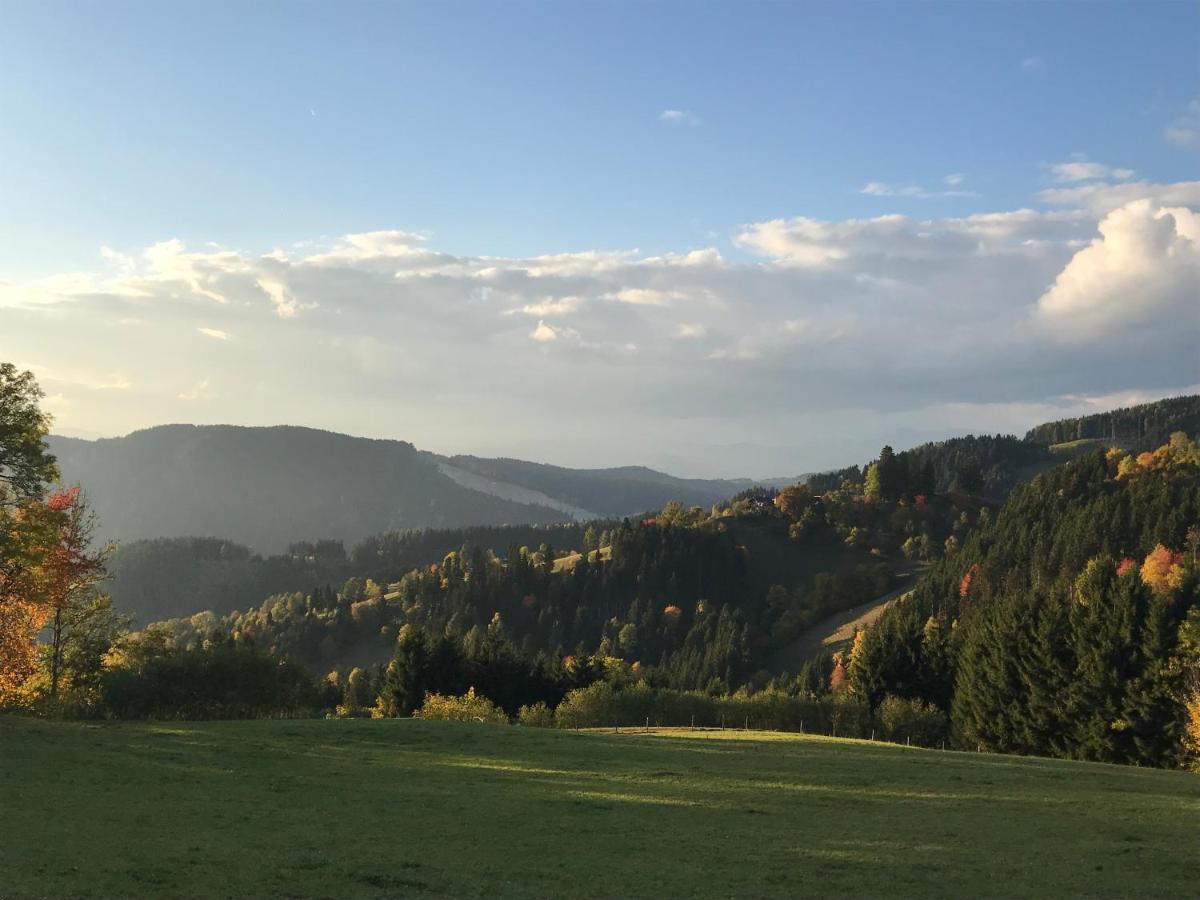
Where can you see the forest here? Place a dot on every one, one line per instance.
(1073, 588)
(1137, 428)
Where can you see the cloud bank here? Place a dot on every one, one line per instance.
(803, 343)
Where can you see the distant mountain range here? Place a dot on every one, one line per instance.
(266, 487)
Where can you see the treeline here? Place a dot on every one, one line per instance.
(991, 465)
(1066, 626)
(167, 578)
(1141, 427)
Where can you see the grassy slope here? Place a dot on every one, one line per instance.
(402, 808)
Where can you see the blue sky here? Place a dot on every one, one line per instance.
(735, 239)
(529, 128)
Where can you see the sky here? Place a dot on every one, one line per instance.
(719, 239)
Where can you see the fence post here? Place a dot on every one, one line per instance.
(747, 728)
(647, 724)
(693, 721)
(872, 734)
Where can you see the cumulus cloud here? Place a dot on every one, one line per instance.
(1143, 270)
(920, 319)
(1185, 129)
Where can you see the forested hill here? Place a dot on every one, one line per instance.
(164, 578)
(267, 487)
(1067, 624)
(1141, 427)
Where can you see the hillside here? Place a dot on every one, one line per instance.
(267, 487)
(252, 809)
(1141, 427)
(700, 599)
(1066, 624)
(166, 578)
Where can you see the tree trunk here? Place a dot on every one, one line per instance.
(55, 653)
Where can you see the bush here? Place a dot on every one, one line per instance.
(468, 708)
(587, 707)
(537, 715)
(904, 720)
(599, 706)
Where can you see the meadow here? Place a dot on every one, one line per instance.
(398, 808)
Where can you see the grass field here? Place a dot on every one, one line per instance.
(406, 808)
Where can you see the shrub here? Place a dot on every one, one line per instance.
(599, 706)
(904, 720)
(537, 715)
(468, 708)
(587, 707)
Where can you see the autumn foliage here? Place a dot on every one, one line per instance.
(838, 679)
(49, 564)
(964, 586)
(1162, 569)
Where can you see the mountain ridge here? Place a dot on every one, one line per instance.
(265, 486)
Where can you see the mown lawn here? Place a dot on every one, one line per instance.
(406, 808)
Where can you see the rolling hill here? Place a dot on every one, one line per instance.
(267, 487)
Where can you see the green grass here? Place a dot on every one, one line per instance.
(1084, 445)
(406, 808)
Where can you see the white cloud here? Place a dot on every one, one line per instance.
(286, 305)
(122, 263)
(884, 189)
(550, 306)
(1185, 129)
(1032, 64)
(901, 317)
(647, 296)
(373, 245)
(216, 333)
(1143, 269)
(1101, 197)
(1084, 170)
(680, 117)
